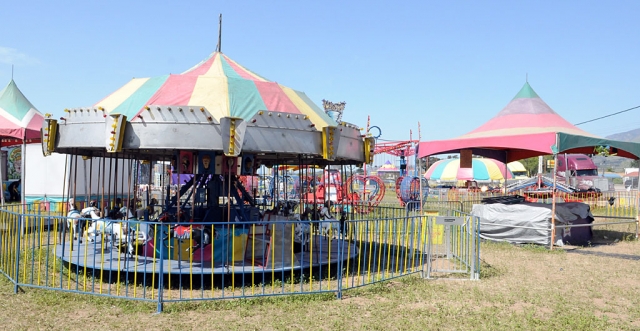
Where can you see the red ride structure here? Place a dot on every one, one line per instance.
(400, 149)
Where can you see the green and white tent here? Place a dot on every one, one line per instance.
(20, 123)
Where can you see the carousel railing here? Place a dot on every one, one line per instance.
(195, 261)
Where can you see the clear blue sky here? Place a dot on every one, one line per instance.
(450, 65)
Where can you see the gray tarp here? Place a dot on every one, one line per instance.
(528, 222)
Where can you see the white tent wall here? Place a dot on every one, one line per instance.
(45, 177)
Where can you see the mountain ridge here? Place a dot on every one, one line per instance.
(631, 135)
(616, 163)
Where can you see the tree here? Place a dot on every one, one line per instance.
(601, 150)
(423, 162)
(531, 164)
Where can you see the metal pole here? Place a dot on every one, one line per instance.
(160, 305)
(341, 243)
(17, 273)
(553, 202)
(2, 162)
(540, 162)
(637, 205)
(22, 176)
(506, 171)
(22, 161)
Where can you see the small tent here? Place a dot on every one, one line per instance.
(20, 123)
(518, 170)
(388, 172)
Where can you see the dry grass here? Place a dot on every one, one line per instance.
(522, 288)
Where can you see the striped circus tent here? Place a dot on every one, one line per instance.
(388, 167)
(20, 123)
(19, 119)
(219, 84)
(483, 170)
(524, 128)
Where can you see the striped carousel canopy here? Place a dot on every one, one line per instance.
(221, 85)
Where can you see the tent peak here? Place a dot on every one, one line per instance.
(11, 83)
(526, 92)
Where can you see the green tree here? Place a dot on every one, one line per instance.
(601, 150)
(424, 164)
(531, 164)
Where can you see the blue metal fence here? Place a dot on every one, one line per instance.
(159, 262)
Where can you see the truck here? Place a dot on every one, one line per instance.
(579, 171)
(630, 179)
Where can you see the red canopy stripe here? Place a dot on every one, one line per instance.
(176, 90)
(203, 67)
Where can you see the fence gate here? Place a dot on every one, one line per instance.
(453, 246)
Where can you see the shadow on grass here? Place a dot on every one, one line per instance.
(602, 254)
(606, 236)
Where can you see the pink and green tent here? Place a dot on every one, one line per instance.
(20, 121)
(526, 127)
(221, 85)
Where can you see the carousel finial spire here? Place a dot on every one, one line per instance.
(219, 47)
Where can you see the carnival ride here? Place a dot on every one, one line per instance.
(540, 188)
(214, 208)
(408, 187)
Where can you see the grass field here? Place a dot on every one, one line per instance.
(522, 288)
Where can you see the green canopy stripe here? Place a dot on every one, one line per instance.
(526, 92)
(14, 102)
(132, 105)
(244, 98)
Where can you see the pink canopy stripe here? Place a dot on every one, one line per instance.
(203, 67)
(177, 90)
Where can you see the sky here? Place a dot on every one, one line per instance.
(418, 69)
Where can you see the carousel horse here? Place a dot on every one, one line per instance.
(329, 225)
(111, 229)
(77, 220)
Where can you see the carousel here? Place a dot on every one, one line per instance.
(211, 129)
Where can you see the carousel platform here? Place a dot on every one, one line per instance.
(321, 252)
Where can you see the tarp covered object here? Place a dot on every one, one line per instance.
(526, 127)
(529, 223)
(221, 85)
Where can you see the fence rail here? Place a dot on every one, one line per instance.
(197, 261)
